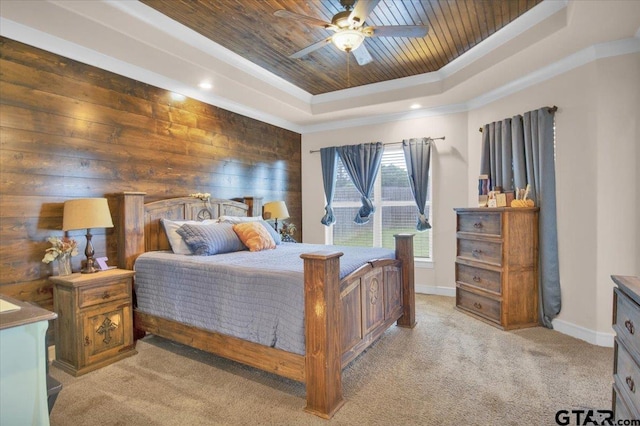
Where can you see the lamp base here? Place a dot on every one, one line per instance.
(88, 267)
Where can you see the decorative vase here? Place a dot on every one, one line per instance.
(64, 264)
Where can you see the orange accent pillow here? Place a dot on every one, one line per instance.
(255, 236)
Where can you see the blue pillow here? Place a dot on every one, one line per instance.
(207, 240)
(274, 234)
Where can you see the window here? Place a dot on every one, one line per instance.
(395, 209)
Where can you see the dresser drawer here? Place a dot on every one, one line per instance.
(621, 411)
(627, 322)
(480, 305)
(104, 293)
(479, 277)
(627, 376)
(487, 223)
(481, 251)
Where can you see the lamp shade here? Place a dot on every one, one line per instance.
(86, 213)
(275, 210)
(347, 40)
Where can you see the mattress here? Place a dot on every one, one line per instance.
(255, 296)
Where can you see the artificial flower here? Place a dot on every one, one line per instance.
(60, 246)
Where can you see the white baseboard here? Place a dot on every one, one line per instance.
(590, 336)
(438, 291)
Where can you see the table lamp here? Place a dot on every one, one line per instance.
(87, 213)
(275, 210)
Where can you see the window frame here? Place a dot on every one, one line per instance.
(379, 203)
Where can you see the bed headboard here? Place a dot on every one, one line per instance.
(140, 229)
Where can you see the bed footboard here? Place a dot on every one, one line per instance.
(343, 318)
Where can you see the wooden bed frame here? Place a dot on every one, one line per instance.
(342, 318)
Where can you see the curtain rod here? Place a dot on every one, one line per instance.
(385, 144)
(550, 109)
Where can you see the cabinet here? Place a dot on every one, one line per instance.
(23, 365)
(497, 265)
(95, 319)
(626, 361)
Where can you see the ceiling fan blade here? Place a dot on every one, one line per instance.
(282, 13)
(362, 55)
(315, 46)
(399, 31)
(361, 11)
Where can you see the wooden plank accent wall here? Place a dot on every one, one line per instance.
(70, 130)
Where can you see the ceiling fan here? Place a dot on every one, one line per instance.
(350, 31)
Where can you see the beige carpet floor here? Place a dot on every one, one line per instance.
(450, 370)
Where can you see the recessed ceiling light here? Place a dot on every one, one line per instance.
(205, 85)
(416, 106)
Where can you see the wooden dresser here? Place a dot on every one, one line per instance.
(626, 370)
(497, 265)
(95, 319)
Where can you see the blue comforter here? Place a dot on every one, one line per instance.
(255, 296)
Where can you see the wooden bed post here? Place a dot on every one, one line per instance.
(323, 363)
(255, 205)
(130, 228)
(404, 252)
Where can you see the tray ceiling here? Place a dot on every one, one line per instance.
(250, 29)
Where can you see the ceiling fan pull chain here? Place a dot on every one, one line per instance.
(348, 71)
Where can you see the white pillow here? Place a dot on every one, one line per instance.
(176, 242)
(239, 219)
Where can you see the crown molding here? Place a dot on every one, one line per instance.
(59, 46)
(578, 59)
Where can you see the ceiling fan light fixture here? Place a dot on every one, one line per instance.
(348, 40)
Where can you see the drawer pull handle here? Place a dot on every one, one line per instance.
(629, 325)
(476, 252)
(87, 341)
(631, 384)
(477, 305)
(477, 278)
(106, 295)
(477, 225)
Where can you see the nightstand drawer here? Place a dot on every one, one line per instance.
(488, 223)
(478, 277)
(103, 293)
(484, 306)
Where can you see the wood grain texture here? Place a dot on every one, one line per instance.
(497, 265)
(342, 317)
(69, 130)
(322, 335)
(250, 29)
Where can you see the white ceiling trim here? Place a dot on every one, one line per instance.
(48, 42)
(531, 18)
(303, 121)
(578, 59)
(170, 27)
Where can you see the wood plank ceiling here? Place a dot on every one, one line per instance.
(250, 29)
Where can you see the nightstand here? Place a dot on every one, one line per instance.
(95, 319)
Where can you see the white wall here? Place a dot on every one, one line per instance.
(449, 174)
(597, 136)
(596, 162)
